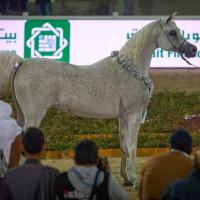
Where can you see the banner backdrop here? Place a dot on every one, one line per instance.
(84, 42)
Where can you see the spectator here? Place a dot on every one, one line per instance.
(43, 7)
(126, 7)
(8, 132)
(31, 180)
(85, 180)
(146, 6)
(14, 7)
(188, 188)
(4, 5)
(10, 135)
(1, 179)
(3, 169)
(17, 6)
(23, 6)
(161, 170)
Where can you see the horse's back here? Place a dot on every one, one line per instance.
(90, 91)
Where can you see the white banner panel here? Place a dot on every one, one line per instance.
(92, 40)
(84, 42)
(12, 36)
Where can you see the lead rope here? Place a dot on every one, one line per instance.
(187, 61)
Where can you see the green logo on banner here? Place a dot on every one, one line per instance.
(47, 39)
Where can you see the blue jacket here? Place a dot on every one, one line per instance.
(185, 189)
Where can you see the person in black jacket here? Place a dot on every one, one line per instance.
(31, 180)
(44, 7)
(23, 6)
(89, 178)
(187, 188)
(4, 5)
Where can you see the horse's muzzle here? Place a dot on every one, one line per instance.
(188, 49)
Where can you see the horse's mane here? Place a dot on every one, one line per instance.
(133, 46)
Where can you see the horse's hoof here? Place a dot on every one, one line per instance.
(134, 184)
(128, 183)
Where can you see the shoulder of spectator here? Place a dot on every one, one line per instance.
(52, 169)
(60, 177)
(173, 190)
(116, 191)
(10, 172)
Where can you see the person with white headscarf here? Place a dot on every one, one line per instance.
(9, 131)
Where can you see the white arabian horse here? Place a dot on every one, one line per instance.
(115, 87)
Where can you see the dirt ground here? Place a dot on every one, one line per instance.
(176, 80)
(65, 164)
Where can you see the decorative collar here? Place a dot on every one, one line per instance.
(133, 71)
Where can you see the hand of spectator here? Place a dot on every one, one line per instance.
(197, 159)
(103, 164)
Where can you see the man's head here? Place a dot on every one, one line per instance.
(33, 141)
(86, 152)
(181, 140)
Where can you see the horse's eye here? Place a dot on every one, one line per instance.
(173, 33)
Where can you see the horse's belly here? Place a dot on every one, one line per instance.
(96, 112)
(94, 108)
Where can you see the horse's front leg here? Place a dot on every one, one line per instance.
(123, 132)
(129, 129)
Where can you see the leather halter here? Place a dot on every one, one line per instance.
(177, 47)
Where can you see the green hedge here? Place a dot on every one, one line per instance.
(144, 140)
(166, 112)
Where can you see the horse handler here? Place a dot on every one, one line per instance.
(10, 136)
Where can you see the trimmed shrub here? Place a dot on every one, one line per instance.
(166, 112)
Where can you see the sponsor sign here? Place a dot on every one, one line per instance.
(85, 42)
(47, 39)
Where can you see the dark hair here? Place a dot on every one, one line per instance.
(181, 140)
(33, 140)
(86, 152)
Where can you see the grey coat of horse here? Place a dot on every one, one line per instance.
(115, 87)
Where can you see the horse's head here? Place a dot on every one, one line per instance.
(171, 39)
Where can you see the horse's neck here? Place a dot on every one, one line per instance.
(139, 49)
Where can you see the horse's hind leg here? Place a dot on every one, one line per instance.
(33, 118)
(20, 117)
(32, 107)
(32, 111)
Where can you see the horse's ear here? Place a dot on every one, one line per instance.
(171, 17)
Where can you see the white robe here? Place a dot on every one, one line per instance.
(9, 129)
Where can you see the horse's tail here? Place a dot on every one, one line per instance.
(20, 116)
(7, 63)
